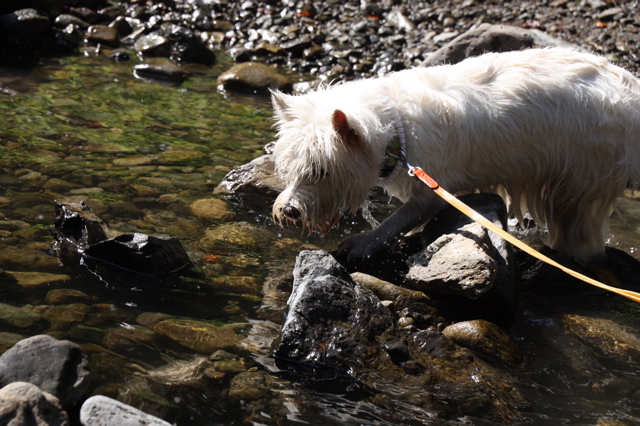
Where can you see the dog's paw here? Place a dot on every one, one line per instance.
(361, 247)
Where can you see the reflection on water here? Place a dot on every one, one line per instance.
(140, 154)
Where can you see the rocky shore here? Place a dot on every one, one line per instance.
(331, 40)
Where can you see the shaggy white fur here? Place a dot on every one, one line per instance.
(555, 131)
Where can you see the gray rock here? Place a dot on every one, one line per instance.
(255, 182)
(333, 322)
(462, 258)
(55, 366)
(490, 38)
(100, 410)
(25, 404)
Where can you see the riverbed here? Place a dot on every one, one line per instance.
(140, 153)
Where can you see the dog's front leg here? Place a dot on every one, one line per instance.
(412, 214)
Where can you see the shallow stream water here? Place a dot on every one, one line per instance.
(139, 153)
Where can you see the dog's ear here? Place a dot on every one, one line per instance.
(347, 133)
(280, 104)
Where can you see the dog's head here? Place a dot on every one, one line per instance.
(324, 157)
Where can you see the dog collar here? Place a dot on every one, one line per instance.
(395, 154)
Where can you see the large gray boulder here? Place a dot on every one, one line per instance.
(464, 259)
(491, 38)
(58, 367)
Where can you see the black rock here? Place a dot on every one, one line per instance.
(128, 260)
(333, 322)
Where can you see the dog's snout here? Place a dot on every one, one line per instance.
(291, 212)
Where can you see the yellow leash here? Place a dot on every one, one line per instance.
(455, 202)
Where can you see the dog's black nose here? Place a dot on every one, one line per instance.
(291, 212)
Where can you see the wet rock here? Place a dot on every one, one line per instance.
(23, 403)
(55, 366)
(62, 317)
(17, 318)
(126, 260)
(200, 336)
(605, 335)
(239, 235)
(462, 258)
(211, 209)
(65, 19)
(27, 258)
(485, 339)
(230, 366)
(38, 279)
(255, 182)
(186, 46)
(161, 71)
(177, 156)
(103, 34)
(333, 322)
(143, 256)
(152, 45)
(66, 295)
(490, 38)
(253, 77)
(8, 339)
(100, 410)
(408, 303)
(251, 386)
(134, 341)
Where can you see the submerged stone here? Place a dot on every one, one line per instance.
(486, 339)
(211, 209)
(200, 336)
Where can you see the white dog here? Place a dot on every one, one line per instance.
(555, 131)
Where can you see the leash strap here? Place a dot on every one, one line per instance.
(455, 202)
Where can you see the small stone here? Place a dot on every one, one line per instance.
(486, 339)
(60, 186)
(211, 209)
(153, 45)
(65, 296)
(21, 318)
(23, 403)
(253, 77)
(200, 336)
(38, 279)
(103, 34)
(139, 160)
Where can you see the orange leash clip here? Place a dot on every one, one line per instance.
(468, 211)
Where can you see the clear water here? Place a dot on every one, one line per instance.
(140, 153)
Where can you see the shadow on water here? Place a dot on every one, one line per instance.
(140, 154)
